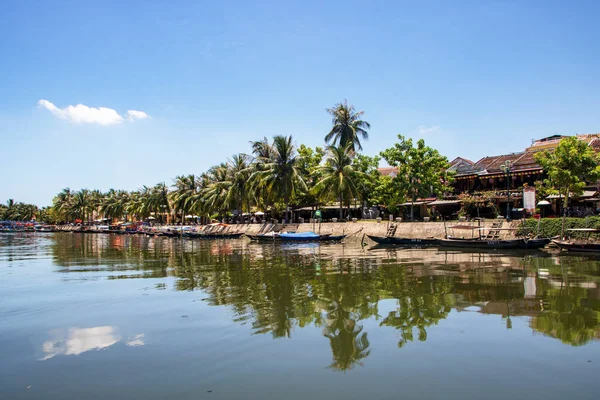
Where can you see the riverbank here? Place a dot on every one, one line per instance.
(355, 231)
(412, 230)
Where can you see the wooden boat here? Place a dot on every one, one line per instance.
(296, 237)
(220, 235)
(264, 237)
(480, 243)
(537, 243)
(400, 241)
(580, 245)
(308, 237)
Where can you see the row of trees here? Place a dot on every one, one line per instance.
(277, 175)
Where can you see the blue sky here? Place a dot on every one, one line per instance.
(473, 78)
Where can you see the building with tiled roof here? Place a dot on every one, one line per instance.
(388, 171)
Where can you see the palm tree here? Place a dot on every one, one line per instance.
(348, 127)
(238, 174)
(279, 173)
(160, 200)
(338, 175)
(262, 151)
(186, 186)
(63, 204)
(217, 185)
(81, 204)
(115, 203)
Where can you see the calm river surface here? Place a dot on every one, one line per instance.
(129, 317)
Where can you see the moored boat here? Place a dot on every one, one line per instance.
(480, 243)
(537, 243)
(586, 245)
(580, 247)
(401, 241)
(308, 237)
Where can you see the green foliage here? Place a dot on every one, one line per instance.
(339, 177)
(14, 211)
(348, 127)
(278, 174)
(308, 167)
(421, 169)
(386, 193)
(368, 178)
(550, 227)
(569, 167)
(480, 204)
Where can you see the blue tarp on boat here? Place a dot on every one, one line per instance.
(303, 235)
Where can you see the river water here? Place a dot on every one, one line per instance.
(129, 317)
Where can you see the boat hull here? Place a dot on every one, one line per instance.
(534, 243)
(399, 241)
(578, 247)
(480, 244)
(277, 238)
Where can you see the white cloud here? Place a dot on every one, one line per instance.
(423, 130)
(82, 114)
(135, 114)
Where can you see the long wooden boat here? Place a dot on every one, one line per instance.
(309, 237)
(296, 237)
(537, 243)
(400, 241)
(480, 243)
(580, 247)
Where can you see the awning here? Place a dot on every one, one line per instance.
(444, 202)
(415, 203)
(586, 194)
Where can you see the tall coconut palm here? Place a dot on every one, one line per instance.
(81, 204)
(238, 174)
(185, 188)
(160, 200)
(115, 204)
(348, 127)
(216, 188)
(63, 204)
(262, 152)
(279, 173)
(338, 176)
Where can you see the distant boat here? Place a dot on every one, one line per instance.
(400, 241)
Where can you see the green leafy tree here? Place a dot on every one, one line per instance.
(569, 167)
(421, 170)
(308, 166)
(348, 127)
(368, 177)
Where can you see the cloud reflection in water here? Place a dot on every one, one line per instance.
(74, 341)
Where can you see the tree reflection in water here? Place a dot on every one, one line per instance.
(276, 290)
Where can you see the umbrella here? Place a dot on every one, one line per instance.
(189, 216)
(151, 218)
(543, 203)
(259, 213)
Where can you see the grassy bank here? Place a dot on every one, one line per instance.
(552, 226)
